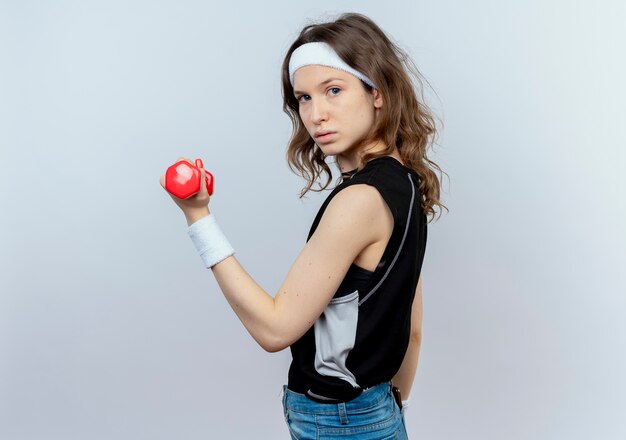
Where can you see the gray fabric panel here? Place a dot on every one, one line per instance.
(335, 333)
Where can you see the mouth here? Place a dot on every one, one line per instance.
(324, 136)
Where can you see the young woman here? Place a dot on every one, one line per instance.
(350, 307)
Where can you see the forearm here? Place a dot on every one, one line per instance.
(406, 374)
(252, 305)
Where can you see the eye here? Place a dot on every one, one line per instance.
(334, 90)
(303, 98)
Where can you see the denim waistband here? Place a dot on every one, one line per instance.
(368, 398)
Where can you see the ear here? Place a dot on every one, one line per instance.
(378, 98)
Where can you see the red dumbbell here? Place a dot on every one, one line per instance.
(183, 179)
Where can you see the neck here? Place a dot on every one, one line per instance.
(351, 161)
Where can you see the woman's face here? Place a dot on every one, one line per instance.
(336, 109)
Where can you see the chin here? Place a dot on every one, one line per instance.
(331, 150)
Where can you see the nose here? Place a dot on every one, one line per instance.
(319, 111)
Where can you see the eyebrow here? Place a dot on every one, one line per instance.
(296, 92)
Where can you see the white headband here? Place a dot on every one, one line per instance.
(323, 55)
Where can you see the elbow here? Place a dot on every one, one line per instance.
(273, 336)
(273, 349)
(273, 344)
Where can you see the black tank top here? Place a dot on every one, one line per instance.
(356, 278)
(362, 336)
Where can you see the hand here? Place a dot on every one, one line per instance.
(197, 205)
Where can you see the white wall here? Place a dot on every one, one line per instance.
(110, 328)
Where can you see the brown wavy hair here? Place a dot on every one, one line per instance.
(404, 121)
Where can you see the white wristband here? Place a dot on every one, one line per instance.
(405, 404)
(210, 241)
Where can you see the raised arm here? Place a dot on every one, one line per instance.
(352, 220)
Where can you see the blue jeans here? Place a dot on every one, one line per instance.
(372, 415)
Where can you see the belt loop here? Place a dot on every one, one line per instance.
(342, 413)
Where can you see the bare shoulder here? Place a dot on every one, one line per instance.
(363, 197)
(362, 205)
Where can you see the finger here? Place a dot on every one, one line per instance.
(203, 188)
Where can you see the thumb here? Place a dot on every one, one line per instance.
(203, 188)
